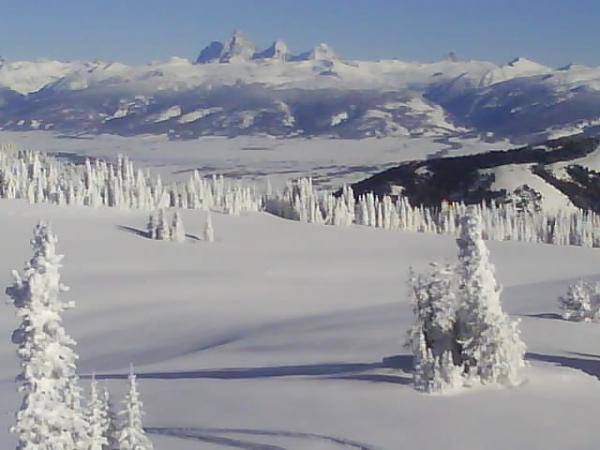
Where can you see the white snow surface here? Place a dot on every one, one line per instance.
(273, 337)
(519, 67)
(30, 76)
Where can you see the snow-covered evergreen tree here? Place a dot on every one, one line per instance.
(433, 337)
(424, 377)
(50, 417)
(97, 419)
(492, 350)
(577, 304)
(163, 229)
(112, 422)
(151, 227)
(209, 232)
(177, 229)
(132, 435)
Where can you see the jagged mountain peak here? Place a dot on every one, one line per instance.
(211, 53)
(277, 50)
(237, 48)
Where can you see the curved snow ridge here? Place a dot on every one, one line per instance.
(214, 435)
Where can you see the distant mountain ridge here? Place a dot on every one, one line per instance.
(232, 88)
(564, 173)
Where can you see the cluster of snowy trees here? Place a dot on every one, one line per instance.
(160, 228)
(299, 200)
(460, 335)
(41, 178)
(582, 302)
(51, 416)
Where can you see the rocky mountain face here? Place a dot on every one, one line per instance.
(233, 88)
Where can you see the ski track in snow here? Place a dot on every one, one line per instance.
(208, 435)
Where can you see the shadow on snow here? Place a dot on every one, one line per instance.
(144, 234)
(589, 366)
(208, 435)
(348, 371)
(553, 316)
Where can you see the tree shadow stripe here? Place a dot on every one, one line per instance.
(255, 432)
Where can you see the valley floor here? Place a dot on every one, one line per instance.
(330, 162)
(284, 335)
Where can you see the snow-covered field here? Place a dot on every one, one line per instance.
(330, 162)
(283, 335)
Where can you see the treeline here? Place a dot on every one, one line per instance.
(40, 178)
(300, 200)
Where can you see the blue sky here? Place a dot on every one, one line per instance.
(554, 32)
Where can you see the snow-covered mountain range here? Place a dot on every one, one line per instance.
(233, 88)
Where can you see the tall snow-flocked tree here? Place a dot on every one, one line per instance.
(163, 230)
(177, 229)
(151, 226)
(97, 419)
(209, 232)
(492, 350)
(50, 417)
(112, 422)
(460, 334)
(132, 435)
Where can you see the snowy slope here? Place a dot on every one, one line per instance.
(262, 341)
(26, 77)
(519, 67)
(512, 176)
